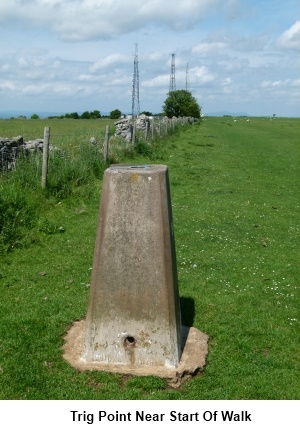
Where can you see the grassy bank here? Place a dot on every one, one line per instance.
(234, 187)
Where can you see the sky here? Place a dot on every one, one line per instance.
(64, 56)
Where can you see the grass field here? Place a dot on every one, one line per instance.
(61, 130)
(235, 196)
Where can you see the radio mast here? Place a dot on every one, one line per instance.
(187, 81)
(172, 75)
(135, 86)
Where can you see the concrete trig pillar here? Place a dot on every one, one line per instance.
(133, 324)
(133, 315)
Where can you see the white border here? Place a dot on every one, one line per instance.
(52, 415)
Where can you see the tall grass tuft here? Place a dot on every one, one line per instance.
(18, 212)
(23, 202)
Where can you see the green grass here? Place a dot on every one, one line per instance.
(61, 131)
(235, 196)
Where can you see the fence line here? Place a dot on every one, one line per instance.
(45, 156)
(105, 146)
(150, 130)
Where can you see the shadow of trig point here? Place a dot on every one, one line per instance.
(133, 323)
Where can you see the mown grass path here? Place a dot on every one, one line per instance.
(235, 196)
(236, 208)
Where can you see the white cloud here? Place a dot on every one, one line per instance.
(157, 81)
(76, 20)
(281, 83)
(67, 89)
(60, 88)
(276, 84)
(248, 43)
(111, 61)
(227, 81)
(296, 83)
(230, 41)
(7, 85)
(200, 75)
(119, 81)
(208, 47)
(154, 56)
(5, 68)
(23, 63)
(88, 78)
(290, 38)
(34, 90)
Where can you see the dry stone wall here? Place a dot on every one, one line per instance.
(11, 148)
(124, 127)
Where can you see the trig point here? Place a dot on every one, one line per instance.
(133, 322)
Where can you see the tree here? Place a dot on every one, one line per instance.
(95, 114)
(181, 103)
(74, 115)
(115, 114)
(34, 116)
(85, 115)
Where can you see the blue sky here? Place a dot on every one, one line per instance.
(77, 55)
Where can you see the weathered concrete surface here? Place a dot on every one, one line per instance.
(192, 362)
(133, 324)
(133, 315)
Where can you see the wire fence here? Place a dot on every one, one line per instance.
(125, 133)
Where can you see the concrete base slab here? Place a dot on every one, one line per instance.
(192, 362)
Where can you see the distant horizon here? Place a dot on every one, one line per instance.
(46, 114)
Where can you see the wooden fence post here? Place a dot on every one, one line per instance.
(147, 130)
(133, 132)
(152, 128)
(105, 147)
(45, 156)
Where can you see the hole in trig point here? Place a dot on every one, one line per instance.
(129, 342)
(139, 167)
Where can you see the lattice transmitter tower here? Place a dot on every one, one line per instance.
(172, 75)
(187, 81)
(135, 86)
